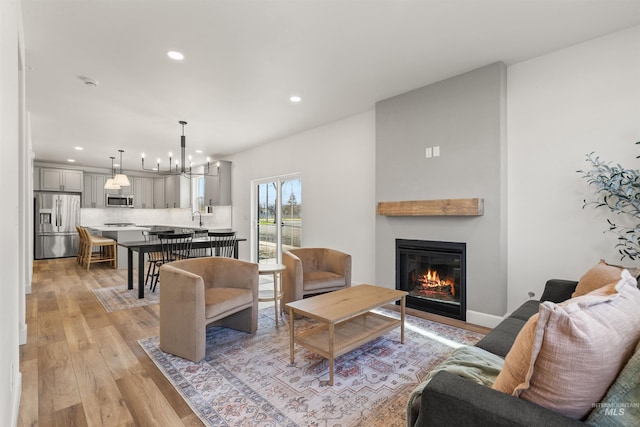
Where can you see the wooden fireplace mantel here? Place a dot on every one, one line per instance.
(444, 207)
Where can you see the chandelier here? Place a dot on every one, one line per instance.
(179, 167)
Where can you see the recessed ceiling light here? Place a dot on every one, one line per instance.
(116, 165)
(70, 160)
(78, 148)
(198, 151)
(177, 56)
(295, 99)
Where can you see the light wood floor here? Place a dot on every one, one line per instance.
(82, 366)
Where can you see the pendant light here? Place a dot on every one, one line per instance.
(110, 184)
(120, 178)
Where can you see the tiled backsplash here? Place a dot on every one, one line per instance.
(220, 218)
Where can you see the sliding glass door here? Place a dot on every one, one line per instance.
(278, 212)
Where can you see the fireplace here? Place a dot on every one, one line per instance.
(433, 273)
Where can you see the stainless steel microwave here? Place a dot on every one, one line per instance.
(119, 201)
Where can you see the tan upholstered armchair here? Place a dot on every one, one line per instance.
(314, 271)
(201, 291)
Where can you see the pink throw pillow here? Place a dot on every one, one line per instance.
(566, 357)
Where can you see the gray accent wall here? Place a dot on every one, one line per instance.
(466, 117)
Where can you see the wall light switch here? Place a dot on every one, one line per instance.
(428, 153)
(436, 151)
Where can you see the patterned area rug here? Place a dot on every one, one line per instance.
(248, 380)
(121, 298)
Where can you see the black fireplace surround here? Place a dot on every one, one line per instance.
(434, 275)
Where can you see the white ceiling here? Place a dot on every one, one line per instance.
(243, 59)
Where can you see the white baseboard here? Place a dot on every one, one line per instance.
(16, 399)
(483, 319)
(22, 333)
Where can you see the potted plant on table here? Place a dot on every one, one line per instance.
(617, 189)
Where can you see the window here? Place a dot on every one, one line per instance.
(277, 206)
(198, 194)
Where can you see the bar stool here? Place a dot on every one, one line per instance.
(107, 249)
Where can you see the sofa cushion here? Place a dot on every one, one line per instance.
(501, 338)
(321, 279)
(621, 406)
(556, 348)
(224, 300)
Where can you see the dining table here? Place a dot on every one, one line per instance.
(143, 247)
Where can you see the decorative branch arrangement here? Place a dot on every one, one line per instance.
(617, 189)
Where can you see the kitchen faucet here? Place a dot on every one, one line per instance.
(193, 215)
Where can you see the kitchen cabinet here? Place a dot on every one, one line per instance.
(158, 193)
(93, 193)
(217, 188)
(143, 193)
(60, 180)
(177, 192)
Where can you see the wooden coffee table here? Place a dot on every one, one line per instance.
(345, 320)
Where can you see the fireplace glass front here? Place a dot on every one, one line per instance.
(433, 273)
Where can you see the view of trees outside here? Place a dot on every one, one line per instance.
(291, 218)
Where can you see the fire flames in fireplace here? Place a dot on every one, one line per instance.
(431, 285)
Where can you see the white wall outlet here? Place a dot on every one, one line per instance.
(428, 153)
(436, 151)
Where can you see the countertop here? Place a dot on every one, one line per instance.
(114, 228)
(153, 228)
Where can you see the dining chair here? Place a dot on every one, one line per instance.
(200, 252)
(155, 261)
(174, 247)
(223, 244)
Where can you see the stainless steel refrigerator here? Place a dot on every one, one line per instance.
(56, 218)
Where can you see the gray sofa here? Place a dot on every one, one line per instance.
(449, 399)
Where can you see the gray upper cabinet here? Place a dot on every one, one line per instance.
(61, 180)
(158, 193)
(143, 193)
(93, 194)
(217, 188)
(177, 192)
